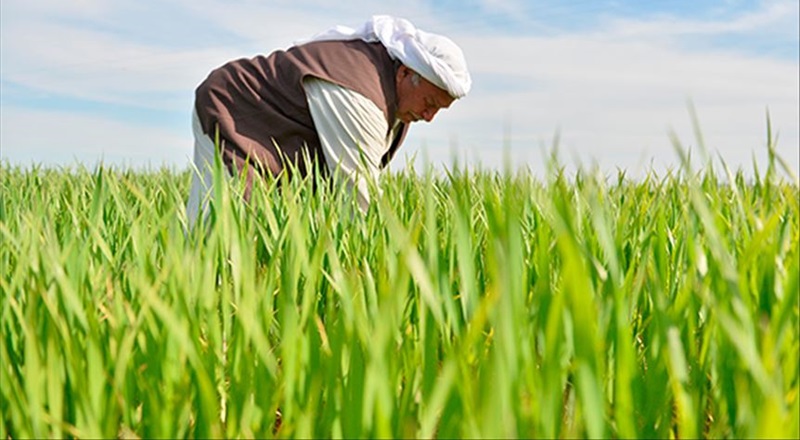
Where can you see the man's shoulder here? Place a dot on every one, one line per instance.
(341, 46)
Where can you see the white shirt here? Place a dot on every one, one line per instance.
(353, 133)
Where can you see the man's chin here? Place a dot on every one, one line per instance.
(409, 118)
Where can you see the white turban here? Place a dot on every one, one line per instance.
(435, 57)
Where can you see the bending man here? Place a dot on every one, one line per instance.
(344, 100)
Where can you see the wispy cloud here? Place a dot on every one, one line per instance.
(774, 16)
(62, 138)
(104, 68)
(613, 87)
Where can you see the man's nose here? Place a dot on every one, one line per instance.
(428, 114)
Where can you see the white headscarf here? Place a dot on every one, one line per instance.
(435, 57)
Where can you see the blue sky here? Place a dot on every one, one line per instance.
(84, 81)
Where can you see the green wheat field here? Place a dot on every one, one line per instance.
(462, 304)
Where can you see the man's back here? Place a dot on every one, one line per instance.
(260, 106)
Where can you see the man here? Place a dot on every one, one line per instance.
(344, 100)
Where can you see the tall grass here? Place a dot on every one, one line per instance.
(468, 304)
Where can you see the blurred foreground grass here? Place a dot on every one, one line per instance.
(470, 304)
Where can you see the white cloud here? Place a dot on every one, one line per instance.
(61, 138)
(44, 50)
(78, 63)
(613, 93)
(513, 8)
(782, 14)
(58, 9)
(615, 102)
(278, 24)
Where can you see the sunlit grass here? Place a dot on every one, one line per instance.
(463, 304)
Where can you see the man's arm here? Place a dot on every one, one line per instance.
(353, 134)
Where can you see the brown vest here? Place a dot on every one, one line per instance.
(259, 106)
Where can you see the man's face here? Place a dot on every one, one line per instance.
(419, 101)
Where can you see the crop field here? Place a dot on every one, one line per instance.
(462, 304)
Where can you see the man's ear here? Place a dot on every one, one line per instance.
(402, 72)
